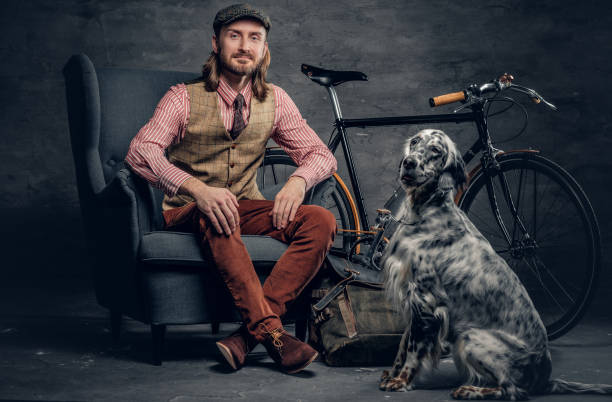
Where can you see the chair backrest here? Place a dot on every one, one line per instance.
(106, 108)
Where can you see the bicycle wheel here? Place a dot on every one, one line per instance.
(274, 172)
(558, 258)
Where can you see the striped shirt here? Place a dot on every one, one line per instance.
(146, 155)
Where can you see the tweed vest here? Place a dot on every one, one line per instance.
(208, 152)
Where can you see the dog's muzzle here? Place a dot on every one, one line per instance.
(408, 174)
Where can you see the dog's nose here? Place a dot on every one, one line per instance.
(409, 163)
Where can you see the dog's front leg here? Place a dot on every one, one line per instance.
(400, 359)
(417, 343)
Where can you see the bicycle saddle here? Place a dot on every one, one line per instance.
(330, 77)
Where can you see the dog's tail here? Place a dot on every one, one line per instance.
(559, 386)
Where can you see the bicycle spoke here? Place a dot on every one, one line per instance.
(539, 262)
(492, 230)
(274, 174)
(543, 221)
(518, 203)
(534, 270)
(569, 248)
(535, 209)
(550, 237)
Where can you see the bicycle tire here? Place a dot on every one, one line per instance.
(552, 260)
(278, 166)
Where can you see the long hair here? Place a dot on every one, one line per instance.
(211, 72)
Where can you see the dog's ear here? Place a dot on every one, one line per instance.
(454, 175)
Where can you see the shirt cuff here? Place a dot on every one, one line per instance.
(171, 179)
(307, 174)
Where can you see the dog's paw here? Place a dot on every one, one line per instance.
(395, 384)
(475, 393)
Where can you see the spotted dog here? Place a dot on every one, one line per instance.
(451, 286)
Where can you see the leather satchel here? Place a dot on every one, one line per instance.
(352, 321)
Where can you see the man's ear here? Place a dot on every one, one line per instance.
(215, 44)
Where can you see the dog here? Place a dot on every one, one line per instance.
(453, 288)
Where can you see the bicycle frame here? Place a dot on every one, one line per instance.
(483, 144)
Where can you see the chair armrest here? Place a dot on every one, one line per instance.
(120, 192)
(132, 192)
(121, 219)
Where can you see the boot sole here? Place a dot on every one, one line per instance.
(305, 364)
(227, 354)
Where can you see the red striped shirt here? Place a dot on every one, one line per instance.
(167, 126)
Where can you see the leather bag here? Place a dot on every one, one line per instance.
(352, 321)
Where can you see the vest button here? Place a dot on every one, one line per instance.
(232, 164)
(233, 146)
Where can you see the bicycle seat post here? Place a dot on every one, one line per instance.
(334, 99)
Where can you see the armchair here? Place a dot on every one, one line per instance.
(154, 276)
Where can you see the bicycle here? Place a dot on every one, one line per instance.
(543, 238)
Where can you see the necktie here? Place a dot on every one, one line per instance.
(239, 123)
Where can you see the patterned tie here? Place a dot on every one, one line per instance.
(239, 123)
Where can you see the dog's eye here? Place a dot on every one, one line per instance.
(414, 141)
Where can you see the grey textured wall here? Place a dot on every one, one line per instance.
(410, 50)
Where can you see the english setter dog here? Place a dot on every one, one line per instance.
(452, 287)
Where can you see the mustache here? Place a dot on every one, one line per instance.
(243, 54)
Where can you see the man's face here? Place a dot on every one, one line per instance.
(241, 46)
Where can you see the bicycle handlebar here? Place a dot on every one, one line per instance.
(474, 92)
(447, 98)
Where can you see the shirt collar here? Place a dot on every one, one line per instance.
(228, 94)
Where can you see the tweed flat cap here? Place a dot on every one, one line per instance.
(235, 12)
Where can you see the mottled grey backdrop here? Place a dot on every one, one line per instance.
(410, 50)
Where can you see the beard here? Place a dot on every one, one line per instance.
(231, 63)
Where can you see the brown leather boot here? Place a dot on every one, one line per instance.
(291, 354)
(236, 347)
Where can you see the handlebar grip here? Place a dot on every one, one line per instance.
(447, 98)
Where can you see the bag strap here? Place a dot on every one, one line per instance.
(344, 303)
(333, 293)
(363, 275)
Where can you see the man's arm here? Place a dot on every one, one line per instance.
(219, 204)
(146, 155)
(315, 161)
(147, 158)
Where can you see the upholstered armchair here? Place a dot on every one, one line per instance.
(154, 276)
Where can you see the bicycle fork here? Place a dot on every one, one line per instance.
(492, 169)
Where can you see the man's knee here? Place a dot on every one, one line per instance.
(207, 227)
(321, 217)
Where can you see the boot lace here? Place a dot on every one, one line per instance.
(275, 334)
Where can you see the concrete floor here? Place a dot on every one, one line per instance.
(55, 345)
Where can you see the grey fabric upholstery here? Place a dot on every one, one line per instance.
(151, 275)
(179, 248)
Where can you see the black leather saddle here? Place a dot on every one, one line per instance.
(330, 77)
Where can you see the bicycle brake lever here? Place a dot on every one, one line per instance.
(469, 101)
(547, 103)
(462, 107)
(535, 97)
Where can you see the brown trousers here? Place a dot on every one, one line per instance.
(310, 237)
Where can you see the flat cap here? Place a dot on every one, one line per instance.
(235, 12)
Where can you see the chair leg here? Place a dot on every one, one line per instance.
(115, 321)
(300, 329)
(158, 331)
(215, 327)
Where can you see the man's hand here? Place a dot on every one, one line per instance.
(218, 204)
(287, 201)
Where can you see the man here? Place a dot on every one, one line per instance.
(214, 130)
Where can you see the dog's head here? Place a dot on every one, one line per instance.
(431, 157)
